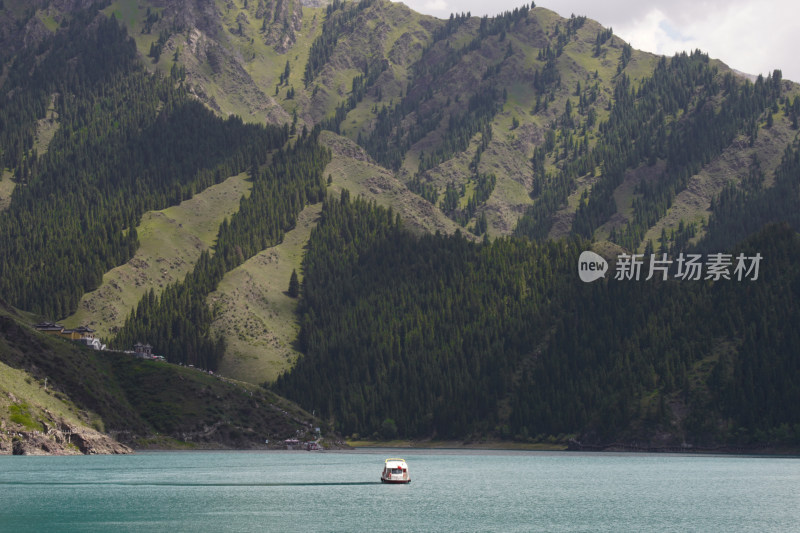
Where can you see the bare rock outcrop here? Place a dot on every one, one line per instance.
(59, 438)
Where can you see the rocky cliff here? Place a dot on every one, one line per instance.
(57, 435)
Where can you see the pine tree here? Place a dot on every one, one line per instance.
(294, 285)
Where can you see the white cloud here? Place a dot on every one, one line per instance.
(730, 35)
(437, 8)
(436, 5)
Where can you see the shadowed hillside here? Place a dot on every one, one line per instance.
(56, 384)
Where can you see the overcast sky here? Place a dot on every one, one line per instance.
(752, 36)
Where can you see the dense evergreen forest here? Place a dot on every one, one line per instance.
(127, 142)
(436, 336)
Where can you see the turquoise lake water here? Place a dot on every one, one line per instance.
(450, 491)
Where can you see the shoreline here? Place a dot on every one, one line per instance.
(457, 445)
(729, 450)
(106, 444)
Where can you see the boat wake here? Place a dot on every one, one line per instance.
(177, 484)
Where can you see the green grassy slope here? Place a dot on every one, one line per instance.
(387, 31)
(26, 406)
(7, 185)
(352, 169)
(231, 70)
(171, 241)
(46, 128)
(255, 314)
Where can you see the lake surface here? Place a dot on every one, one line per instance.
(450, 491)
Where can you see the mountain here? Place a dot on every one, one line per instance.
(165, 163)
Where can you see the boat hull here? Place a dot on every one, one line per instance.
(395, 481)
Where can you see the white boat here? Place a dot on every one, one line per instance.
(395, 471)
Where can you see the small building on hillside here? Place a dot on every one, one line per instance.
(92, 343)
(81, 334)
(85, 332)
(145, 351)
(50, 328)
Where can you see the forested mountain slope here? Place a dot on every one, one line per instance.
(127, 143)
(523, 97)
(531, 135)
(436, 336)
